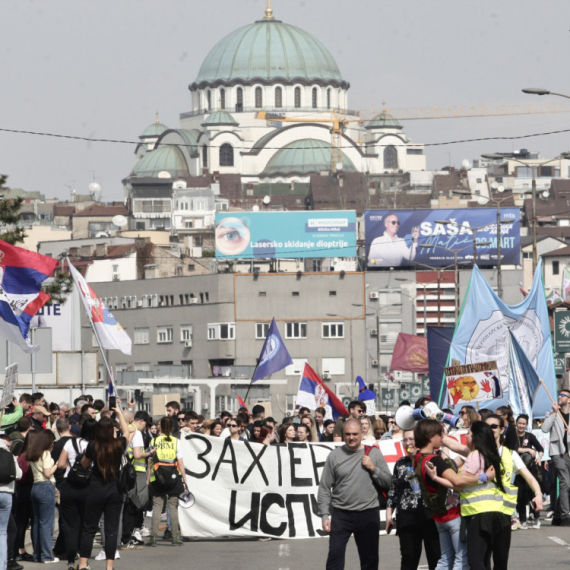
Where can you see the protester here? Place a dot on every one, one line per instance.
(415, 524)
(348, 494)
(287, 433)
(355, 410)
(18, 436)
(510, 437)
(311, 424)
(23, 514)
(166, 477)
(394, 431)
(328, 433)
(379, 429)
(367, 432)
(320, 415)
(469, 415)
(42, 495)
(303, 433)
(104, 453)
(234, 427)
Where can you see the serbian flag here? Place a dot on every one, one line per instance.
(314, 393)
(22, 273)
(410, 354)
(241, 402)
(111, 334)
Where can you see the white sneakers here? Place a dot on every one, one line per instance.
(54, 561)
(103, 556)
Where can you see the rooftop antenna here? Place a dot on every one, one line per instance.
(268, 11)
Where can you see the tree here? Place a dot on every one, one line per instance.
(10, 232)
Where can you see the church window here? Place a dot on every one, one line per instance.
(226, 155)
(390, 157)
(239, 100)
(205, 156)
(279, 97)
(258, 97)
(329, 98)
(315, 98)
(222, 98)
(297, 97)
(209, 99)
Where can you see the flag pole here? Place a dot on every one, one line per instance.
(251, 381)
(552, 400)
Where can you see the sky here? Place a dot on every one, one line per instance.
(102, 69)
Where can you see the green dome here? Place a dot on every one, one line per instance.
(384, 121)
(220, 118)
(163, 158)
(154, 130)
(265, 51)
(304, 157)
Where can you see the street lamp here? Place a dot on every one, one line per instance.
(533, 168)
(539, 91)
(498, 203)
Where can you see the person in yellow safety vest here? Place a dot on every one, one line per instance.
(489, 529)
(166, 478)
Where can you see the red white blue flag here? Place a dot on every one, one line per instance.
(22, 273)
(314, 393)
(111, 334)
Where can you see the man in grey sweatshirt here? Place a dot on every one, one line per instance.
(348, 495)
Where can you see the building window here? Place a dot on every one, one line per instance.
(142, 336)
(317, 265)
(188, 223)
(296, 330)
(391, 157)
(263, 293)
(209, 100)
(258, 97)
(297, 97)
(226, 155)
(314, 98)
(332, 293)
(296, 368)
(296, 294)
(222, 98)
(205, 156)
(333, 366)
(221, 331)
(391, 301)
(333, 330)
(278, 97)
(163, 334)
(142, 366)
(261, 330)
(555, 267)
(329, 98)
(186, 333)
(239, 100)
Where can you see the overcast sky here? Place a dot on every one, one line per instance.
(101, 69)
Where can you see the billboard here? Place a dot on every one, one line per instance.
(397, 238)
(562, 331)
(251, 235)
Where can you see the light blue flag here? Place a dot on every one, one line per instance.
(524, 381)
(483, 334)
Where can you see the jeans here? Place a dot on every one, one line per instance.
(562, 464)
(453, 551)
(43, 505)
(5, 510)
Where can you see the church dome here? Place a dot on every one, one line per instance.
(220, 118)
(154, 130)
(384, 121)
(162, 159)
(304, 157)
(265, 52)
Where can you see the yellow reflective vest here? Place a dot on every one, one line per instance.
(138, 464)
(507, 475)
(166, 453)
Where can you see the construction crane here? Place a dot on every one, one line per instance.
(338, 123)
(467, 111)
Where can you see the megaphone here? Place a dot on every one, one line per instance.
(429, 412)
(404, 417)
(453, 421)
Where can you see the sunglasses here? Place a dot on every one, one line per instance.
(232, 425)
(494, 426)
(180, 419)
(563, 396)
(462, 413)
(395, 223)
(391, 423)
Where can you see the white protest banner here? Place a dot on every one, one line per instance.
(468, 383)
(245, 489)
(9, 385)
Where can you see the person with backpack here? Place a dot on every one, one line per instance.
(9, 472)
(23, 512)
(105, 455)
(166, 479)
(74, 487)
(43, 495)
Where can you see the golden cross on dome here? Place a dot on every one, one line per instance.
(268, 11)
(157, 117)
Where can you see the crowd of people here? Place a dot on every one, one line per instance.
(103, 470)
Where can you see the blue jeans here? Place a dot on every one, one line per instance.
(43, 506)
(5, 510)
(453, 551)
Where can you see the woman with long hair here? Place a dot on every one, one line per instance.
(287, 433)
(379, 429)
(42, 495)
(469, 415)
(166, 478)
(105, 454)
(73, 496)
(367, 432)
(311, 423)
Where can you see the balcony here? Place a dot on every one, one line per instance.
(242, 109)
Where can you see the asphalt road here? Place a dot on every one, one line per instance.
(543, 549)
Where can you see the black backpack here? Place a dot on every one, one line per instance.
(78, 475)
(127, 478)
(7, 467)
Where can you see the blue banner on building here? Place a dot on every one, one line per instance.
(249, 235)
(397, 238)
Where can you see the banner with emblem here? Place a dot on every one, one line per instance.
(483, 335)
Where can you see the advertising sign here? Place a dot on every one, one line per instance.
(397, 238)
(278, 235)
(559, 364)
(9, 384)
(562, 331)
(468, 383)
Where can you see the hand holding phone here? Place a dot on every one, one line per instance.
(112, 402)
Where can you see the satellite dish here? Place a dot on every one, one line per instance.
(481, 201)
(546, 194)
(120, 220)
(255, 208)
(266, 200)
(494, 185)
(466, 164)
(500, 188)
(94, 187)
(164, 174)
